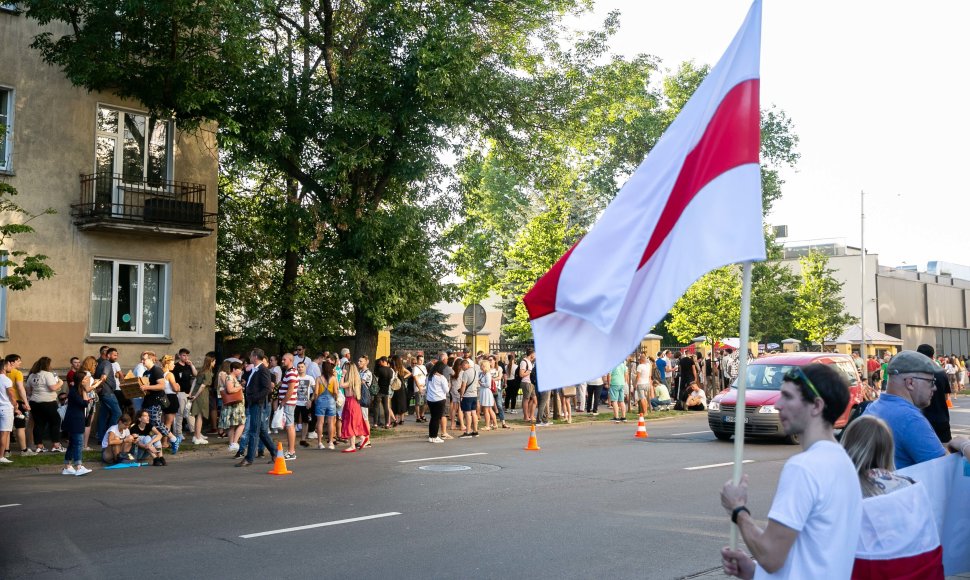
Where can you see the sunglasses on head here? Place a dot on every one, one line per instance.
(797, 375)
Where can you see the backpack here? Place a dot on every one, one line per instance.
(365, 396)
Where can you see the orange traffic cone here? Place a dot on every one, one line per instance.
(949, 403)
(641, 429)
(279, 466)
(533, 443)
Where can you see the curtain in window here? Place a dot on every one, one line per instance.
(101, 297)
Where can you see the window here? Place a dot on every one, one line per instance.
(6, 128)
(130, 148)
(129, 298)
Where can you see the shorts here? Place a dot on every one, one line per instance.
(642, 392)
(325, 406)
(173, 404)
(288, 415)
(528, 390)
(469, 404)
(18, 422)
(6, 418)
(302, 414)
(419, 399)
(616, 393)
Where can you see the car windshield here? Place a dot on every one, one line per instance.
(765, 377)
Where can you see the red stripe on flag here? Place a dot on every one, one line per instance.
(732, 139)
(925, 566)
(541, 300)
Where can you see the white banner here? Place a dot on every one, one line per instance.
(947, 480)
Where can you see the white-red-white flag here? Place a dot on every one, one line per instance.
(692, 206)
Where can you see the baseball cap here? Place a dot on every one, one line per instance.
(910, 361)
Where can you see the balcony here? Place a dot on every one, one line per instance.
(114, 203)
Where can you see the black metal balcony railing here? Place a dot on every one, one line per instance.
(108, 198)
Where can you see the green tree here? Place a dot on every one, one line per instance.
(23, 268)
(711, 307)
(772, 297)
(819, 311)
(352, 104)
(428, 326)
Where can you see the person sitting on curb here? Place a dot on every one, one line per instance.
(147, 438)
(697, 399)
(117, 442)
(661, 395)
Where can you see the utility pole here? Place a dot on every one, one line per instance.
(862, 287)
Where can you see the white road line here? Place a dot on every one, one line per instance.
(716, 465)
(324, 524)
(10, 505)
(444, 457)
(691, 433)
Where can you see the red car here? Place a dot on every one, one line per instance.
(765, 376)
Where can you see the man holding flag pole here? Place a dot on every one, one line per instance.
(705, 165)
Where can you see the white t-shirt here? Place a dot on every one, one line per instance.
(526, 365)
(113, 429)
(819, 497)
(42, 387)
(643, 374)
(420, 375)
(116, 368)
(5, 383)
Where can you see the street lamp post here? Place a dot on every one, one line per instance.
(862, 286)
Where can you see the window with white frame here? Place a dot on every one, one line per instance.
(129, 298)
(134, 145)
(6, 127)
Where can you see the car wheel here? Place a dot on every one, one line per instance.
(792, 440)
(722, 435)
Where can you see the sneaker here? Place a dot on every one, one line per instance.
(128, 457)
(57, 449)
(330, 446)
(435, 440)
(176, 443)
(474, 433)
(304, 443)
(162, 462)
(39, 451)
(29, 453)
(321, 446)
(81, 470)
(5, 461)
(197, 441)
(464, 435)
(233, 447)
(312, 435)
(86, 448)
(288, 456)
(69, 470)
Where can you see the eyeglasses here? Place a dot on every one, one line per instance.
(797, 375)
(923, 379)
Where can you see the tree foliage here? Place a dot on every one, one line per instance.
(711, 307)
(23, 267)
(428, 326)
(819, 310)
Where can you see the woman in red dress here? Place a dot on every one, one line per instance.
(352, 420)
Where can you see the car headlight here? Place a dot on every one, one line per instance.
(714, 406)
(767, 409)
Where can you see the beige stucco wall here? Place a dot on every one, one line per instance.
(53, 144)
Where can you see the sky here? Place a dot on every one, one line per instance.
(877, 96)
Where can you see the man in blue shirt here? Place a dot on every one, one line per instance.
(662, 367)
(910, 388)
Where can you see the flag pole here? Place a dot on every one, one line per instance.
(739, 410)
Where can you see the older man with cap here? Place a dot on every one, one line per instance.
(909, 388)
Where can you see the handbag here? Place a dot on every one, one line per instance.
(341, 398)
(395, 382)
(232, 398)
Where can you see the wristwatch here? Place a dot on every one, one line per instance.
(736, 511)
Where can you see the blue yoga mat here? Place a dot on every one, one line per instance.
(124, 465)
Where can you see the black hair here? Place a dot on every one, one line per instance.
(832, 387)
(927, 350)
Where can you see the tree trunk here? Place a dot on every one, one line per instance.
(365, 339)
(291, 265)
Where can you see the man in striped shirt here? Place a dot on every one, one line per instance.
(287, 400)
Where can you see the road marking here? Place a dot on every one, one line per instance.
(10, 505)
(691, 433)
(443, 457)
(716, 465)
(322, 525)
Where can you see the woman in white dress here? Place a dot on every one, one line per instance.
(486, 396)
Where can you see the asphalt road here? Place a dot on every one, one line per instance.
(594, 501)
